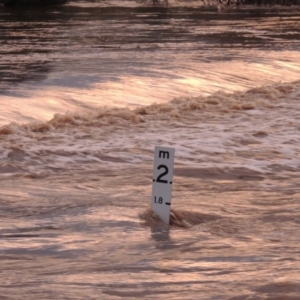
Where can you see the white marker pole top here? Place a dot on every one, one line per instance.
(162, 182)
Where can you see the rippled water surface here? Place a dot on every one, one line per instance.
(88, 54)
(77, 133)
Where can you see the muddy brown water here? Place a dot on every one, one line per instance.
(78, 129)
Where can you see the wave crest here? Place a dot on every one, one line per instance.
(181, 107)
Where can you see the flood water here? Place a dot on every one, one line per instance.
(86, 92)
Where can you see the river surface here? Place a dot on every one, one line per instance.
(87, 90)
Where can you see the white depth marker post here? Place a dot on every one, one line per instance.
(162, 182)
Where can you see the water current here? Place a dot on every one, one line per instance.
(88, 89)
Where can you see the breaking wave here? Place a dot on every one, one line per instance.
(181, 107)
(239, 131)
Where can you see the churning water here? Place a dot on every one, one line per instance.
(86, 92)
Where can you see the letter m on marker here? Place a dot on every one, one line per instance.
(164, 154)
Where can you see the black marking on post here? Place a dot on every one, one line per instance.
(153, 180)
(171, 182)
(168, 203)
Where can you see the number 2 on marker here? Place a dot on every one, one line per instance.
(159, 178)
